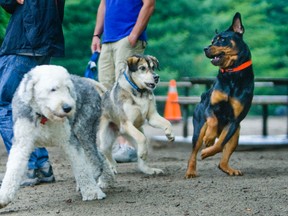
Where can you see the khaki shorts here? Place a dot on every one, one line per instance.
(112, 59)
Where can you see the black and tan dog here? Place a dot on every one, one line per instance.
(128, 105)
(226, 104)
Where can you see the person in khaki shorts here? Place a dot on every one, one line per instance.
(120, 32)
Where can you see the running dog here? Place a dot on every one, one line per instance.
(225, 105)
(51, 106)
(128, 105)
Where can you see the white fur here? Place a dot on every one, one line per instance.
(46, 91)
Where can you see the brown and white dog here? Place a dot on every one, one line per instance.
(127, 106)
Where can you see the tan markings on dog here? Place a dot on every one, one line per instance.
(237, 106)
(217, 147)
(230, 56)
(211, 132)
(128, 108)
(191, 170)
(227, 152)
(133, 61)
(218, 96)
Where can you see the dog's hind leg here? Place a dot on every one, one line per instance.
(22, 147)
(216, 97)
(107, 136)
(84, 170)
(227, 152)
(107, 179)
(211, 132)
(217, 147)
(191, 169)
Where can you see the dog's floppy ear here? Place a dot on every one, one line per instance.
(154, 61)
(237, 26)
(25, 89)
(132, 63)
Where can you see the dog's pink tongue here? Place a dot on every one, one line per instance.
(215, 60)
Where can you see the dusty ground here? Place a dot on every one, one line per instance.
(263, 190)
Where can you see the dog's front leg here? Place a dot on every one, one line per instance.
(157, 121)
(16, 167)
(142, 151)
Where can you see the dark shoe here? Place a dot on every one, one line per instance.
(45, 174)
(38, 176)
(30, 178)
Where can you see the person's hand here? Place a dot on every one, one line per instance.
(96, 44)
(20, 1)
(132, 40)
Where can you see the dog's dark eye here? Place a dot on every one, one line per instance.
(142, 68)
(53, 89)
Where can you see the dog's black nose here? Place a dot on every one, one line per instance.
(156, 78)
(66, 108)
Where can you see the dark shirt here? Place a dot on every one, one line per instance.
(35, 28)
(120, 18)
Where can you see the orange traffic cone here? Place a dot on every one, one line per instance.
(172, 111)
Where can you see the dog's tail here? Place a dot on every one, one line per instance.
(100, 88)
(235, 124)
(232, 128)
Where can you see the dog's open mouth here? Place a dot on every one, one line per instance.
(216, 60)
(150, 85)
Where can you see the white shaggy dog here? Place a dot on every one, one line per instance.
(51, 106)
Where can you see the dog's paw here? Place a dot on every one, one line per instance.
(152, 171)
(103, 184)
(101, 195)
(190, 175)
(113, 169)
(170, 137)
(93, 195)
(3, 201)
(143, 155)
(230, 171)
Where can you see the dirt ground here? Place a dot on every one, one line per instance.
(263, 190)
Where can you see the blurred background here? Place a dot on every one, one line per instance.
(179, 30)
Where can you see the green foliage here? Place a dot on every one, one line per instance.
(179, 30)
(4, 17)
(78, 25)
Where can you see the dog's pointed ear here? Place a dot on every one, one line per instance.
(132, 63)
(237, 26)
(26, 88)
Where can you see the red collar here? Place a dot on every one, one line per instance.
(43, 120)
(239, 68)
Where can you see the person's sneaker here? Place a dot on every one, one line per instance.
(45, 174)
(38, 176)
(30, 178)
(123, 153)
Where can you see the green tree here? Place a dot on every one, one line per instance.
(78, 25)
(179, 30)
(4, 17)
